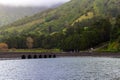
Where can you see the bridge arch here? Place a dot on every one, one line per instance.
(23, 57)
(54, 56)
(35, 56)
(45, 56)
(40, 56)
(50, 56)
(29, 56)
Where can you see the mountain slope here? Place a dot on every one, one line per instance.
(9, 14)
(74, 26)
(57, 19)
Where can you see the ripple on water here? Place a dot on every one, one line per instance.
(80, 68)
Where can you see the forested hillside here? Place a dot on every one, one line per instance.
(80, 23)
(65, 15)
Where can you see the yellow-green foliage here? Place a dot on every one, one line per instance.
(89, 15)
(64, 16)
(26, 26)
(114, 46)
(35, 50)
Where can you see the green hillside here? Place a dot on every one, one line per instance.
(55, 18)
(73, 20)
(65, 15)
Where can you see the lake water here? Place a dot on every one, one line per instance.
(73, 68)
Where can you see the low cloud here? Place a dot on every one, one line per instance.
(31, 2)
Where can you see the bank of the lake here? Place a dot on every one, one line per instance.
(35, 55)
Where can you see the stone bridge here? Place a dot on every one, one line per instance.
(34, 55)
(26, 55)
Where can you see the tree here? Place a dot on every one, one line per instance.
(29, 42)
(116, 29)
(71, 43)
(3, 47)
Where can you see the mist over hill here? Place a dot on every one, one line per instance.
(9, 14)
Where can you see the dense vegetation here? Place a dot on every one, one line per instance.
(76, 25)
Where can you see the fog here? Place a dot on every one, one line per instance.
(31, 2)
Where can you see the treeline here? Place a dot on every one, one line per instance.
(82, 35)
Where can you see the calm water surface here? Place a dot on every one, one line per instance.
(80, 68)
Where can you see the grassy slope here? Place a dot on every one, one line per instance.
(64, 15)
(56, 18)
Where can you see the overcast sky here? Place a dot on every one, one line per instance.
(31, 2)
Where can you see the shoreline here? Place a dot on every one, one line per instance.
(37, 55)
(6, 59)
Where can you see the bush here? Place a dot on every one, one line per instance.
(3, 47)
